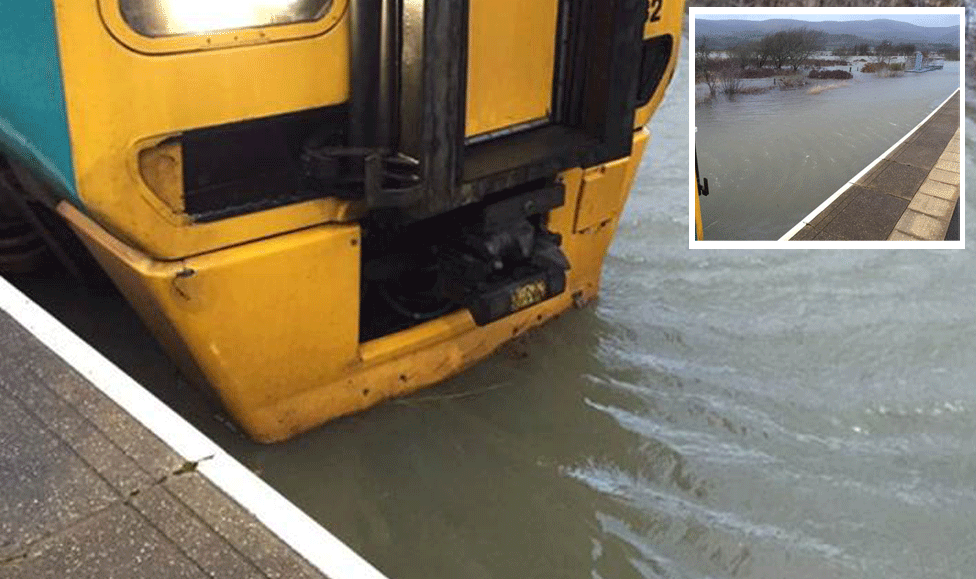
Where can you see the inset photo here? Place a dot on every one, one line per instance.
(826, 125)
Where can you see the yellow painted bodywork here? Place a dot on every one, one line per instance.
(263, 308)
(272, 325)
(511, 60)
(699, 229)
(669, 22)
(161, 169)
(112, 16)
(125, 92)
(592, 206)
(118, 99)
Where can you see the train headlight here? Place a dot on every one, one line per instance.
(180, 17)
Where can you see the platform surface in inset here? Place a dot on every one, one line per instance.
(907, 195)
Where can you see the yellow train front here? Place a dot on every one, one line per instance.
(319, 204)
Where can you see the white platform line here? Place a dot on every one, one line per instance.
(319, 547)
(853, 181)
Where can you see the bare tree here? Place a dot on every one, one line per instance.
(951, 53)
(744, 53)
(790, 47)
(704, 63)
(773, 48)
(763, 52)
(801, 44)
(883, 53)
(731, 83)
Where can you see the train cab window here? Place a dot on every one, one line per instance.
(160, 18)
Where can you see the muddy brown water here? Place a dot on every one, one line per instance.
(772, 158)
(751, 414)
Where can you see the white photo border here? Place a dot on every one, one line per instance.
(785, 12)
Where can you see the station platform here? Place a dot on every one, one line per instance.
(908, 194)
(98, 479)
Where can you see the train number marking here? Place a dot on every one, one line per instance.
(656, 6)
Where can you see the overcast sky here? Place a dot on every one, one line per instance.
(932, 20)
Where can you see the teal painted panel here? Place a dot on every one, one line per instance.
(33, 120)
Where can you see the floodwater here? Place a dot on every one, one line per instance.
(772, 158)
(717, 413)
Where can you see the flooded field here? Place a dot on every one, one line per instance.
(772, 158)
(749, 414)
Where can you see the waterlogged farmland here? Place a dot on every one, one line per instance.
(773, 157)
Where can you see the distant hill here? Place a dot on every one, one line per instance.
(727, 33)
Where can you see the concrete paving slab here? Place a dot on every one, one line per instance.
(74, 504)
(934, 140)
(899, 180)
(45, 486)
(949, 152)
(137, 442)
(939, 127)
(114, 544)
(922, 226)
(238, 528)
(192, 536)
(932, 206)
(939, 131)
(869, 216)
(950, 156)
(71, 428)
(133, 439)
(899, 236)
(921, 157)
(940, 190)
(873, 172)
(831, 211)
(824, 236)
(893, 154)
(944, 176)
